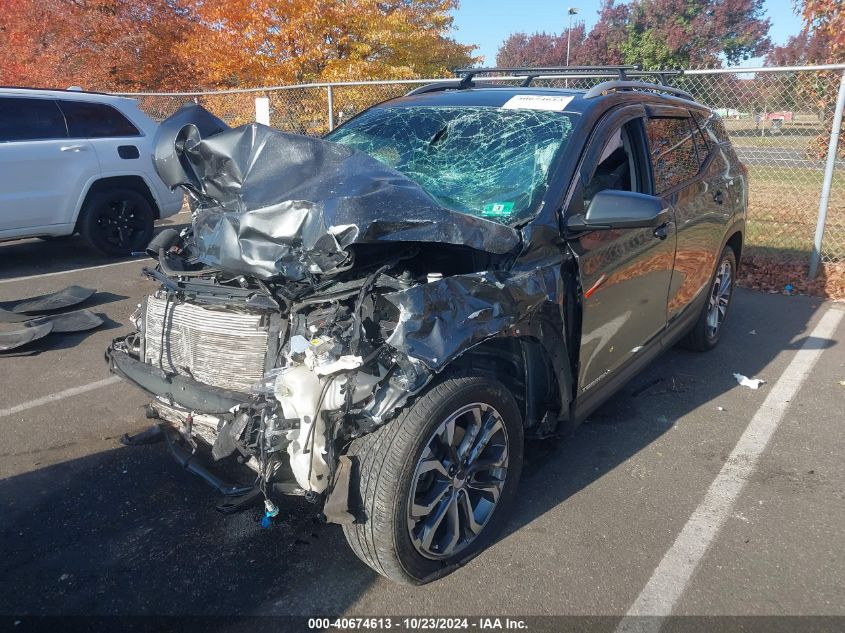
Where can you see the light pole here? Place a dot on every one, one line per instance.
(572, 11)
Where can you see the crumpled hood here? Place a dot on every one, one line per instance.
(273, 204)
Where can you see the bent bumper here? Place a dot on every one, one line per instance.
(181, 390)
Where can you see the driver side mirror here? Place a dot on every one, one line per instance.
(615, 209)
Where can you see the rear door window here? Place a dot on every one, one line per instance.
(96, 120)
(23, 119)
(671, 151)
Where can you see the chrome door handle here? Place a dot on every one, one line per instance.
(73, 148)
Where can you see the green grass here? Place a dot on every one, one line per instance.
(779, 141)
(787, 177)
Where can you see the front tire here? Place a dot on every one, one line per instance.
(707, 331)
(434, 486)
(117, 221)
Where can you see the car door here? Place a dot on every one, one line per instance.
(692, 181)
(113, 136)
(624, 273)
(42, 171)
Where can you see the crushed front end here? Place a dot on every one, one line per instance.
(276, 376)
(315, 292)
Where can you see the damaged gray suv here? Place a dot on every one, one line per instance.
(377, 320)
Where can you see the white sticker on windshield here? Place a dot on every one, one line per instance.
(555, 103)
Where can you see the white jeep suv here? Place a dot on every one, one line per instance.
(79, 162)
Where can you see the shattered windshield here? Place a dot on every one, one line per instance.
(483, 161)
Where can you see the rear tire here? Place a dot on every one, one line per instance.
(707, 331)
(117, 221)
(404, 477)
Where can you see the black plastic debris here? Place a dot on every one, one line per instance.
(70, 296)
(79, 321)
(6, 316)
(36, 324)
(31, 331)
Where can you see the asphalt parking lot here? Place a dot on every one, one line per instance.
(685, 494)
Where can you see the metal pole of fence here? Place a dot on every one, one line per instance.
(815, 257)
(330, 95)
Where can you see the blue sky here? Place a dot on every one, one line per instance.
(487, 23)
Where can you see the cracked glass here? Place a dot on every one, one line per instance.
(483, 161)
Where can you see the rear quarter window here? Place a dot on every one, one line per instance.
(712, 127)
(672, 152)
(23, 119)
(96, 120)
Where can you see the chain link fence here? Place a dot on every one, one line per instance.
(779, 120)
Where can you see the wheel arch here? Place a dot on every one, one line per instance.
(735, 241)
(532, 363)
(135, 183)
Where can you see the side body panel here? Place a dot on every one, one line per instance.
(42, 174)
(624, 273)
(703, 210)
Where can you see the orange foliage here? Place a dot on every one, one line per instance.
(97, 44)
(197, 44)
(828, 17)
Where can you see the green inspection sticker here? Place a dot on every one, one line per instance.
(497, 209)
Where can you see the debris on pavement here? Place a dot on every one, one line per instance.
(751, 383)
(64, 298)
(31, 331)
(36, 323)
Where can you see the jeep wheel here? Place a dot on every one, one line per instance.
(435, 485)
(117, 221)
(707, 331)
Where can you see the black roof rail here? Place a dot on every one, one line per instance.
(436, 87)
(467, 77)
(606, 86)
(532, 72)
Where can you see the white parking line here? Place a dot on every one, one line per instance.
(673, 574)
(73, 270)
(60, 395)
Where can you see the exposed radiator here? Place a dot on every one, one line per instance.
(222, 348)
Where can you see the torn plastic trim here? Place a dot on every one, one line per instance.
(272, 204)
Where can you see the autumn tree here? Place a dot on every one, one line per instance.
(260, 42)
(827, 18)
(98, 44)
(544, 49)
(194, 44)
(821, 41)
(661, 34)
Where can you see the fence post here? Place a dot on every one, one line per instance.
(262, 110)
(815, 257)
(330, 96)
